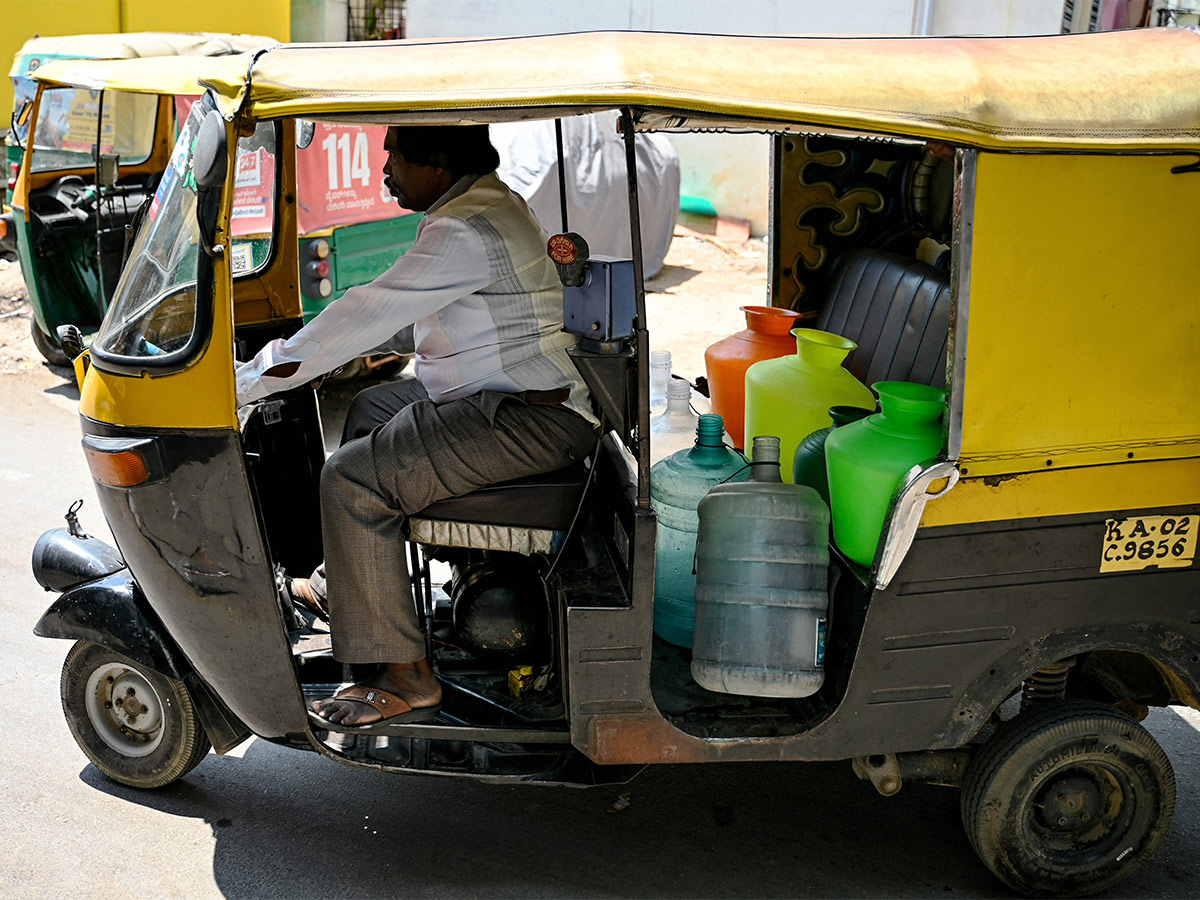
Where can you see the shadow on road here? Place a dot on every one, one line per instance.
(669, 277)
(289, 824)
(68, 389)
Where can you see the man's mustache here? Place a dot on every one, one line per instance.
(391, 186)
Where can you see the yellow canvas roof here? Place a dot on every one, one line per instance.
(137, 44)
(150, 75)
(1133, 90)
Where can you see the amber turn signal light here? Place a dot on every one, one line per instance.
(126, 468)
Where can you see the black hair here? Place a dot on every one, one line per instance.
(460, 149)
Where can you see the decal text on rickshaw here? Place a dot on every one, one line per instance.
(1168, 542)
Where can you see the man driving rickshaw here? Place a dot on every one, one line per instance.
(495, 399)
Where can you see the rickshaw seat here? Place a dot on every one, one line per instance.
(544, 501)
(897, 310)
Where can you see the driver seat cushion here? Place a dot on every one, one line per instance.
(545, 501)
(526, 515)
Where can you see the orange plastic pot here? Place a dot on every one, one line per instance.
(768, 335)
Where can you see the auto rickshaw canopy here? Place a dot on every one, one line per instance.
(136, 45)
(177, 75)
(1130, 90)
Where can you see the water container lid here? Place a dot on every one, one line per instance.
(678, 389)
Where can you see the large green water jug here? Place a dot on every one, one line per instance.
(866, 461)
(761, 588)
(677, 485)
(789, 397)
(808, 467)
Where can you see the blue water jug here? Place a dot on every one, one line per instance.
(677, 484)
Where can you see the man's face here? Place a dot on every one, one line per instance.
(414, 187)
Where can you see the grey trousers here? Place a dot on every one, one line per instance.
(401, 452)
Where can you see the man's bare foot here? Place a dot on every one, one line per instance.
(411, 682)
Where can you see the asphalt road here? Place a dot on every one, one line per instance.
(268, 822)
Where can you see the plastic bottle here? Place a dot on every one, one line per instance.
(866, 460)
(677, 485)
(768, 335)
(790, 397)
(762, 556)
(660, 377)
(808, 466)
(675, 427)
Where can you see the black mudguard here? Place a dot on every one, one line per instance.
(112, 613)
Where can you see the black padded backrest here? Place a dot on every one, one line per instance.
(898, 312)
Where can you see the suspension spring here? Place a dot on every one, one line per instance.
(1046, 685)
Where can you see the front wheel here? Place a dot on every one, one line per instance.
(1068, 799)
(136, 726)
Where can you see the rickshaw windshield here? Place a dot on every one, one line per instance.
(67, 127)
(156, 308)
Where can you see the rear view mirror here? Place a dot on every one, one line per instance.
(110, 170)
(70, 338)
(22, 115)
(210, 160)
(210, 165)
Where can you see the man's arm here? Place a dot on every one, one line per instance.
(447, 262)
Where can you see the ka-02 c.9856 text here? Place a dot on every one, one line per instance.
(1163, 541)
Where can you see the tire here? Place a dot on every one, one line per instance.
(1068, 799)
(47, 346)
(159, 743)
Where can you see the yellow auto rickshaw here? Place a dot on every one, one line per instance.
(94, 160)
(75, 212)
(1004, 218)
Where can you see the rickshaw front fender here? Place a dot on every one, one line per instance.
(112, 612)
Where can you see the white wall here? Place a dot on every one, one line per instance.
(320, 20)
(731, 170)
(997, 17)
(458, 18)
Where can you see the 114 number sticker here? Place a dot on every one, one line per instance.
(1168, 542)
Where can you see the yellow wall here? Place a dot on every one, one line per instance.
(269, 17)
(23, 19)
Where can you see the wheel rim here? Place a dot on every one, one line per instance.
(124, 709)
(1080, 814)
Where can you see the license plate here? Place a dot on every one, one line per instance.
(1168, 542)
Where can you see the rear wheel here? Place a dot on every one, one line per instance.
(1068, 799)
(48, 346)
(136, 726)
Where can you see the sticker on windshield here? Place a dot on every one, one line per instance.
(242, 258)
(183, 146)
(1168, 542)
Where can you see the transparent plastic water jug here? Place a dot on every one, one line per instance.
(660, 377)
(762, 557)
(674, 428)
